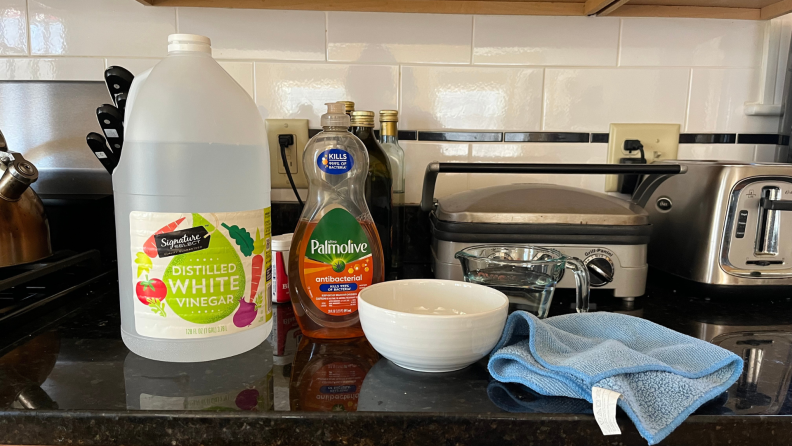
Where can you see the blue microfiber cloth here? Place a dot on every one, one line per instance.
(517, 398)
(663, 375)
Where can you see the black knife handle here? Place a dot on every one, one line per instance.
(118, 80)
(121, 99)
(112, 123)
(99, 147)
(435, 168)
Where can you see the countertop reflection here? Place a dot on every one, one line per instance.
(81, 363)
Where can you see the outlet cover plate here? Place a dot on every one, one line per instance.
(298, 128)
(660, 141)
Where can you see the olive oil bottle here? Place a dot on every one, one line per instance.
(389, 139)
(349, 107)
(379, 183)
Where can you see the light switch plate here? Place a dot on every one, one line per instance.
(660, 141)
(294, 153)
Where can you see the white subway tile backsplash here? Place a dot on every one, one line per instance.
(717, 98)
(54, 69)
(13, 28)
(783, 55)
(242, 72)
(135, 66)
(720, 152)
(526, 40)
(99, 28)
(691, 42)
(389, 38)
(479, 98)
(293, 90)
(592, 99)
(258, 33)
(539, 153)
(287, 195)
(417, 155)
(520, 73)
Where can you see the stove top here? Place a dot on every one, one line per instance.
(46, 283)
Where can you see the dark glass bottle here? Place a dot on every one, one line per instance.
(379, 182)
(389, 140)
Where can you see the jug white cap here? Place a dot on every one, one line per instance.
(336, 115)
(189, 42)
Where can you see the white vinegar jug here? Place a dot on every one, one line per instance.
(192, 208)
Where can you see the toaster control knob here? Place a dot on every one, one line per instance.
(600, 269)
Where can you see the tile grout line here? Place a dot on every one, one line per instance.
(619, 43)
(399, 95)
(542, 104)
(326, 33)
(688, 99)
(29, 41)
(255, 85)
(472, 36)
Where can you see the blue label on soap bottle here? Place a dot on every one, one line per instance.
(335, 161)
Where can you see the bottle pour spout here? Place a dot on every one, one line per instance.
(336, 115)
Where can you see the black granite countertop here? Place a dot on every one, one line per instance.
(68, 379)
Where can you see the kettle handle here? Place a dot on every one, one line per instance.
(434, 168)
(18, 175)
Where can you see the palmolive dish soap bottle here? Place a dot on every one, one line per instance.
(335, 252)
(192, 207)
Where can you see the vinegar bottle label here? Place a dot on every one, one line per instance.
(336, 263)
(200, 275)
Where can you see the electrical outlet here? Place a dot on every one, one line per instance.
(294, 153)
(660, 141)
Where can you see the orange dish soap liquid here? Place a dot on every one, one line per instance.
(336, 251)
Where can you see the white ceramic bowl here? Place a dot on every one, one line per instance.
(432, 325)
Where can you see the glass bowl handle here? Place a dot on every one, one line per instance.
(581, 283)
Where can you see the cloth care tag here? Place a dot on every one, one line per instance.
(605, 410)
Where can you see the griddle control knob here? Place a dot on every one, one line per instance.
(600, 269)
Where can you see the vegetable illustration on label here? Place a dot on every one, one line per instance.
(197, 282)
(248, 309)
(258, 265)
(242, 238)
(143, 262)
(152, 293)
(150, 248)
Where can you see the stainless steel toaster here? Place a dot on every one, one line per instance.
(722, 223)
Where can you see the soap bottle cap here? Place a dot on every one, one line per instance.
(336, 115)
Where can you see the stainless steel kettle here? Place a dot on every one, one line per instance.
(24, 229)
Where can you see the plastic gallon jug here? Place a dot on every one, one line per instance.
(192, 208)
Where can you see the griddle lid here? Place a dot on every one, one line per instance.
(539, 204)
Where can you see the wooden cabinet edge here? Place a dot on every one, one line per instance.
(614, 8)
(700, 12)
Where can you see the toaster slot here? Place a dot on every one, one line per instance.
(769, 223)
(758, 229)
(764, 262)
